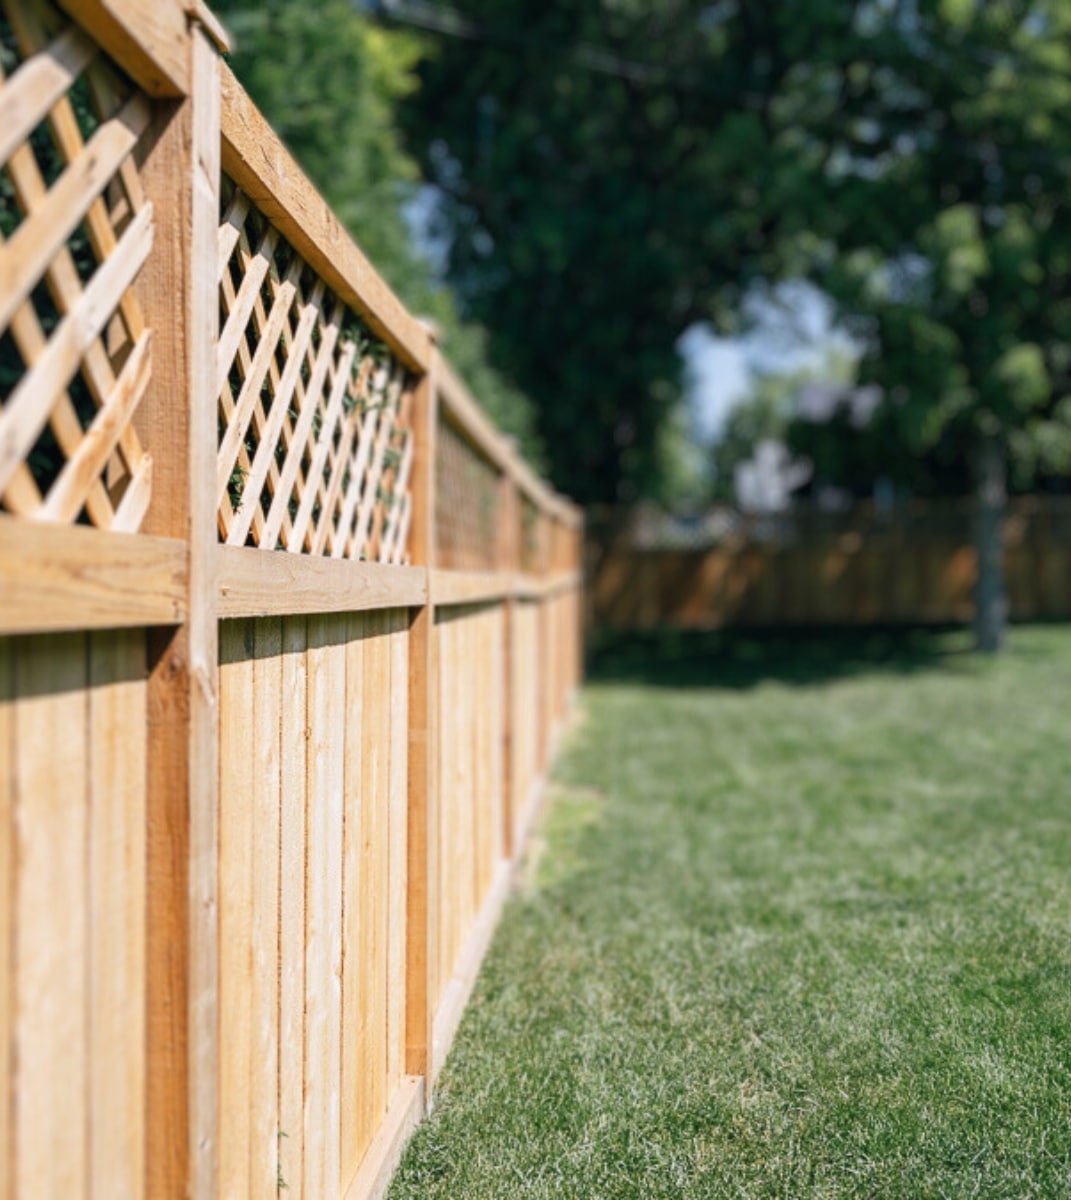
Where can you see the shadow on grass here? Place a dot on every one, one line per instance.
(739, 659)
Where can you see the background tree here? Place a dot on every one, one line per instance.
(613, 171)
(948, 157)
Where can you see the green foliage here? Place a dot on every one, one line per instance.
(612, 172)
(329, 82)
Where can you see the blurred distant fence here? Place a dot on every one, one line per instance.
(287, 634)
(914, 565)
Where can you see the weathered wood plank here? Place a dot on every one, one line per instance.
(269, 704)
(353, 981)
(397, 823)
(292, 889)
(56, 577)
(238, 769)
(52, 890)
(117, 840)
(8, 911)
(256, 582)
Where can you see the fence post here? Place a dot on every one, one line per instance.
(507, 558)
(178, 422)
(421, 960)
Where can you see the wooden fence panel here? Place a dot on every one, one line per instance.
(263, 743)
(848, 570)
(72, 1009)
(313, 891)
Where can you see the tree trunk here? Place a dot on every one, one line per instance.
(990, 604)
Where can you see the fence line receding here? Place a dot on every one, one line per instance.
(288, 632)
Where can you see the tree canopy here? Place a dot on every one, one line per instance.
(613, 171)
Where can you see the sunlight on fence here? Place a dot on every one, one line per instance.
(289, 631)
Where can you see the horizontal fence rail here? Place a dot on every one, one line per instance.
(288, 631)
(856, 568)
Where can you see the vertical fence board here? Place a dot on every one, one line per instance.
(265, 802)
(396, 841)
(8, 912)
(353, 981)
(117, 912)
(323, 929)
(237, 763)
(292, 887)
(52, 955)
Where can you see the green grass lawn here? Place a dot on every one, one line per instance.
(801, 927)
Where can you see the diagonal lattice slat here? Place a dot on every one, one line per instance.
(75, 231)
(315, 443)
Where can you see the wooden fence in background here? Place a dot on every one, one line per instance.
(852, 569)
(288, 630)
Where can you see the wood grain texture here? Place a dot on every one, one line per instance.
(353, 980)
(8, 911)
(292, 891)
(256, 582)
(269, 703)
(117, 843)
(52, 888)
(56, 577)
(237, 761)
(149, 41)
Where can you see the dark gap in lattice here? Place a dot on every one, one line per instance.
(82, 399)
(48, 315)
(10, 54)
(50, 162)
(82, 253)
(45, 460)
(85, 110)
(235, 378)
(10, 213)
(12, 368)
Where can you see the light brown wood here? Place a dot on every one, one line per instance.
(8, 912)
(177, 423)
(323, 905)
(237, 785)
(37, 84)
(449, 588)
(55, 577)
(421, 841)
(353, 981)
(257, 161)
(51, 1044)
(397, 832)
(292, 887)
(270, 706)
(149, 41)
(385, 1152)
(26, 255)
(463, 976)
(470, 419)
(117, 737)
(24, 415)
(256, 582)
(286, 858)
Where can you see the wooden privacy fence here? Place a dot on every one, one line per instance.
(804, 568)
(289, 630)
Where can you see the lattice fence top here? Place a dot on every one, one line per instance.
(75, 231)
(466, 504)
(315, 442)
